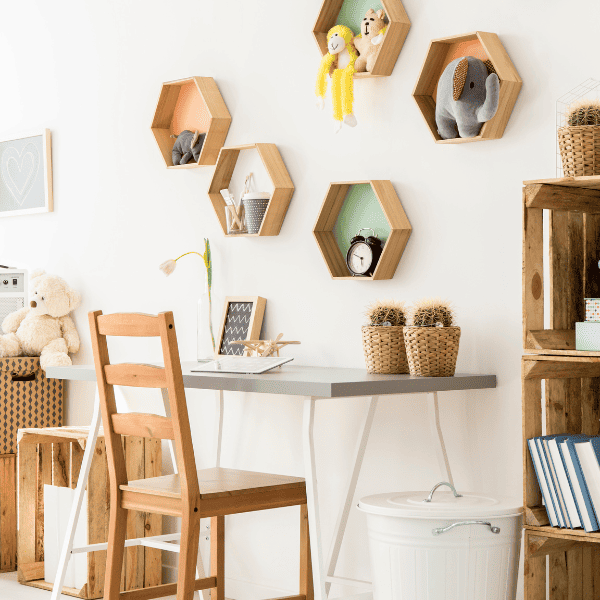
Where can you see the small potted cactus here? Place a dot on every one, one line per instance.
(432, 340)
(579, 139)
(383, 341)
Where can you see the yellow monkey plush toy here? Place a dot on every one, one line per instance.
(339, 62)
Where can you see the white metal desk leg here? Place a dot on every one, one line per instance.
(219, 439)
(199, 563)
(438, 438)
(312, 496)
(342, 520)
(86, 463)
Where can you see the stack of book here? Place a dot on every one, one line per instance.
(568, 471)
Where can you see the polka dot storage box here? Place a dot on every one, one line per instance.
(592, 309)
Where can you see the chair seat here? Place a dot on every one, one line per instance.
(215, 483)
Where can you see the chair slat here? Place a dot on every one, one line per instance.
(133, 375)
(143, 425)
(129, 324)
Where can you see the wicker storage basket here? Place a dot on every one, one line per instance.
(580, 150)
(384, 349)
(432, 351)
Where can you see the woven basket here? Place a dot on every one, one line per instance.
(384, 349)
(432, 351)
(580, 150)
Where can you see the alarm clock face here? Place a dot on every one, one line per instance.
(360, 258)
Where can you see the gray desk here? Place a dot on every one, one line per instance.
(312, 384)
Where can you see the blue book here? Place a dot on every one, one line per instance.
(555, 471)
(537, 465)
(590, 521)
(570, 488)
(551, 485)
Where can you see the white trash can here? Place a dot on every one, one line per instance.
(443, 546)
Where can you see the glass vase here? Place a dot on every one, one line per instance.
(205, 351)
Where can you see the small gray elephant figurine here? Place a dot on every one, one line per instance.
(467, 97)
(187, 146)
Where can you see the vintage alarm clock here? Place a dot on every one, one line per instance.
(364, 254)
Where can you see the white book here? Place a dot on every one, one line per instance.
(533, 449)
(563, 480)
(554, 495)
(591, 470)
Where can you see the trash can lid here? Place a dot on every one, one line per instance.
(441, 505)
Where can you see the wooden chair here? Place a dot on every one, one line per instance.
(191, 494)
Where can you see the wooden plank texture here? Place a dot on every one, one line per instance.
(8, 512)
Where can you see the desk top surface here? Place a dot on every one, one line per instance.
(297, 380)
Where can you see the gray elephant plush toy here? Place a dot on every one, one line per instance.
(187, 146)
(467, 97)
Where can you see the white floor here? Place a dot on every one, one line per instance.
(11, 589)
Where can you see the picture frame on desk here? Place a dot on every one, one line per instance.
(242, 319)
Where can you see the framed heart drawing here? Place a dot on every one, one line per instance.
(26, 174)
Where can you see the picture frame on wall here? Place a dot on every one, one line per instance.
(242, 320)
(26, 174)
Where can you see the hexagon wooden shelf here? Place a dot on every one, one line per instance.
(278, 174)
(396, 33)
(482, 45)
(201, 96)
(400, 229)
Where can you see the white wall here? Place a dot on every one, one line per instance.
(91, 72)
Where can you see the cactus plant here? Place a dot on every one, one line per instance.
(433, 312)
(583, 112)
(388, 311)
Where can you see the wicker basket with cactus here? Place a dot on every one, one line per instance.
(579, 139)
(432, 341)
(383, 341)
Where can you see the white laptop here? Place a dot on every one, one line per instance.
(252, 365)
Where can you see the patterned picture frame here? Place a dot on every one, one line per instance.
(242, 320)
(26, 174)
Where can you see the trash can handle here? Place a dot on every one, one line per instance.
(440, 530)
(435, 487)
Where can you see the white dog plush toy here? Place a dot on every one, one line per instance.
(44, 328)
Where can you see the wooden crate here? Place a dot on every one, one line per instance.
(53, 456)
(572, 207)
(8, 512)
(572, 405)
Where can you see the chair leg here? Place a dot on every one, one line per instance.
(117, 530)
(306, 579)
(188, 555)
(217, 556)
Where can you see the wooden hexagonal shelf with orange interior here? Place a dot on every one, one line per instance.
(194, 104)
(481, 45)
(283, 188)
(393, 40)
(400, 229)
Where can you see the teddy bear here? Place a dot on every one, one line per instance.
(44, 328)
(368, 42)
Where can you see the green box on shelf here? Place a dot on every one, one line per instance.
(587, 336)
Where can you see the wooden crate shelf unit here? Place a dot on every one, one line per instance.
(572, 405)
(53, 456)
(400, 229)
(572, 208)
(194, 103)
(398, 27)
(8, 512)
(283, 188)
(481, 45)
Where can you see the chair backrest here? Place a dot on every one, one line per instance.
(176, 428)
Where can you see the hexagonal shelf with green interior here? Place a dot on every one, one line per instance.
(351, 205)
(351, 13)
